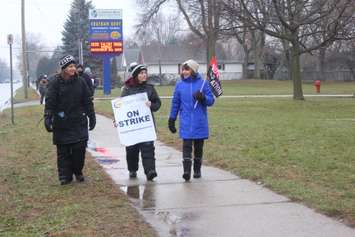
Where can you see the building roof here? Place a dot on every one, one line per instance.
(174, 54)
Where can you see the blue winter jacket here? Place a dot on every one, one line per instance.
(193, 122)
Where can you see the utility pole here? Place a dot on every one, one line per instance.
(81, 57)
(24, 50)
(10, 41)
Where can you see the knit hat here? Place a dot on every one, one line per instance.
(191, 64)
(136, 68)
(66, 61)
(88, 71)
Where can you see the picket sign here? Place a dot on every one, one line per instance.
(213, 79)
(134, 119)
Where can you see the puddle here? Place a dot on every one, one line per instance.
(167, 223)
(142, 196)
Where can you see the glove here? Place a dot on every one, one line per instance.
(92, 121)
(172, 125)
(199, 96)
(48, 121)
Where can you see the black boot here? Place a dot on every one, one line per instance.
(149, 168)
(80, 178)
(197, 167)
(151, 175)
(148, 159)
(187, 169)
(132, 174)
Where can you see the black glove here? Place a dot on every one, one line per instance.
(199, 96)
(92, 121)
(48, 121)
(172, 125)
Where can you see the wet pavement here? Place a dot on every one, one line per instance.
(218, 204)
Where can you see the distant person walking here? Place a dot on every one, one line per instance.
(42, 86)
(193, 127)
(94, 82)
(87, 77)
(67, 109)
(138, 84)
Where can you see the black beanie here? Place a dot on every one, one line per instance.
(66, 61)
(135, 69)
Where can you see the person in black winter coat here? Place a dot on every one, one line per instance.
(42, 87)
(68, 105)
(86, 77)
(138, 84)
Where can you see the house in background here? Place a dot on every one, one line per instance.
(164, 65)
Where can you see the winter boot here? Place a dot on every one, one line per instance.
(80, 178)
(132, 174)
(149, 168)
(187, 169)
(197, 167)
(151, 175)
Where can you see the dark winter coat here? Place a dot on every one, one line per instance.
(88, 81)
(43, 85)
(193, 122)
(70, 102)
(132, 87)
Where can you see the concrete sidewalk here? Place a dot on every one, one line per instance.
(218, 204)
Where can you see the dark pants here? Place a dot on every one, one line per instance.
(42, 92)
(148, 156)
(187, 148)
(70, 160)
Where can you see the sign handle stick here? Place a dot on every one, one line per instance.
(203, 84)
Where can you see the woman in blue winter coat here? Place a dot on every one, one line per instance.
(190, 101)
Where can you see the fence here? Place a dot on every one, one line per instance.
(339, 75)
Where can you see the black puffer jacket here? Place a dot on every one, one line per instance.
(69, 102)
(132, 87)
(88, 81)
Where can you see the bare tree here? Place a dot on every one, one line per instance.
(161, 28)
(202, 17)
(35, 50)
(295, 22)
(249, 37)
(341, 56)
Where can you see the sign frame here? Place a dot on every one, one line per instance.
(134, 119)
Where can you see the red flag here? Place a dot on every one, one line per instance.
(213, 77)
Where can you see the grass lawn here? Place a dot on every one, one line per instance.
(20, 95)
(259, 87)
(32, 203)
(302, 149)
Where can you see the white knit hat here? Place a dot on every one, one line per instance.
(192, 64)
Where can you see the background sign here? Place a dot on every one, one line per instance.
(10, 39)
(134, 119)
(105, 29)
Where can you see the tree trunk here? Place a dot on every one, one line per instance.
(245, 63)
(322, 63)
(258, 41)
(257, 62)
(211, 47)
(295, 72)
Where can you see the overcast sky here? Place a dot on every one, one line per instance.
(46, 19)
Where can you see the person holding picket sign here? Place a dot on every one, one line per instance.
(137, 83)
(193, 128)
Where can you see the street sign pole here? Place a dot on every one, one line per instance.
(107, 74)
(106, 40)
(10, 40)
